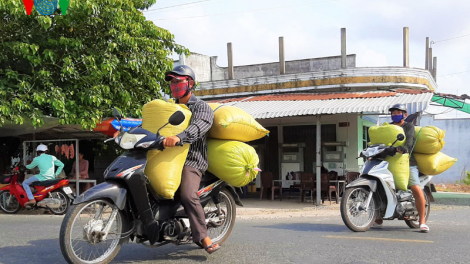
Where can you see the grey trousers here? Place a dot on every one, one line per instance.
(190, 180)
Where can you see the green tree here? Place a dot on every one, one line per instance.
(101, 54)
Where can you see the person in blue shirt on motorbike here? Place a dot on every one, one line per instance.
(46, 164)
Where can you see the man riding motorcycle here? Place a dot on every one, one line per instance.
(398, 114)
(46, 164)
(182, 80)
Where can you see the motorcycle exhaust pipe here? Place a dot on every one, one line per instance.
(50, 203)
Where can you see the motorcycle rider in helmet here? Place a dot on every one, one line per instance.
(398, 114)
(182, 81)
(46, 164)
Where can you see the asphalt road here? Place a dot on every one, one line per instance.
(322, 239)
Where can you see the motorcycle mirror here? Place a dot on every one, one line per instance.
(116, 114)
(176, 118)
(118, 117)
(400, 137)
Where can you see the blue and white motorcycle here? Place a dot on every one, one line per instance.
(373, 196)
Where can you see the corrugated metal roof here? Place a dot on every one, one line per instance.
(262, 107)
(320, 96)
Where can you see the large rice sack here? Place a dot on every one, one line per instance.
(434, 164)
(430, 140)
(232, 161)
(164, 168)
(399, 166)
(386, 134)
(233, 123)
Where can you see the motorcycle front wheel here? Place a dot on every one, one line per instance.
(82, 230)
(8, 203)
(353, 209)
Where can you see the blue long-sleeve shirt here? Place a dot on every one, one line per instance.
(46, 164)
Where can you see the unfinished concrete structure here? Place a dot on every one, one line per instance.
(319, 109)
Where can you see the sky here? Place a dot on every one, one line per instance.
(311, 29)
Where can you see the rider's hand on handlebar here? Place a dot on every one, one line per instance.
(171, 141)
(399, 151)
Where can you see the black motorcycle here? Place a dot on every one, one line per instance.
(126, 208)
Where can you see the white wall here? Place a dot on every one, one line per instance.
(457, 145)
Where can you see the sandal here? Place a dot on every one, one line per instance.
(212, 248)
(424, 228)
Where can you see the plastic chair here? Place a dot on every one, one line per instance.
(296, 185)
(351, 176)
(267, 182)
(307, 183)
(328, 188)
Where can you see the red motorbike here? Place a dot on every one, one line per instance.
(50, 194)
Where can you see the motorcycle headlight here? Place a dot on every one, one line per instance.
(128, 141)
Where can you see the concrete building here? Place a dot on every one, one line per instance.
(318, 110)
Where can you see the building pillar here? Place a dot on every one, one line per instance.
(343, 49)
(230, 60)
(406, 47)
(282, 60)
(318, 160)
(426, 65)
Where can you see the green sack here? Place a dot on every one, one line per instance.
(386, 134)
(232, 161)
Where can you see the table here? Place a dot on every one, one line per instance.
(343, 184)
(82, 181)
(287, 183)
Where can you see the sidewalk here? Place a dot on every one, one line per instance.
(253, 208)
(451, 198)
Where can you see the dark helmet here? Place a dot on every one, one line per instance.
(181, 70)
(399, 107)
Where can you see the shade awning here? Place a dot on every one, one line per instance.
(285, 105)
(451, 102)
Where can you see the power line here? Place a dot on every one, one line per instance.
(255, 10)
(166, 7)
(453, 73)
(434, 42)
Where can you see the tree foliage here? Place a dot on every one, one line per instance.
(101, 54)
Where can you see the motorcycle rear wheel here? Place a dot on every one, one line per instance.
(76, 246)
(414, 223)
(220, 224)
(8, 203)
(65, 202)
(352, 213)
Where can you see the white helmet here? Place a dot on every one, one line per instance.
(42, 148)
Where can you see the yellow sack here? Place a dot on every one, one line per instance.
(233, 123)
(430, 140)
(164, 168)
(232, 161)
(399, 166)
(386, 134)
(434, 164)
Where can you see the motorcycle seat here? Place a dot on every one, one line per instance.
(46, 182)
(207, 177)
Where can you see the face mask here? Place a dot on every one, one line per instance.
(397, 118)
(179, 90)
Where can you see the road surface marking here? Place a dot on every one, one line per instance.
(383, 239)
